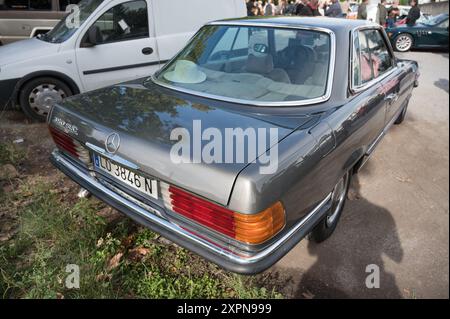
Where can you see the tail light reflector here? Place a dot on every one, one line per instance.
(249, 229)
(70, 145)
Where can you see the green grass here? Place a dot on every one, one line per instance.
(10, 154)
(54, 233)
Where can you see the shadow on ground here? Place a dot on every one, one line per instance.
(442, 84)
(366, 235)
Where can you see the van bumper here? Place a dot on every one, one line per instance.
(7, 88)
(233, 261)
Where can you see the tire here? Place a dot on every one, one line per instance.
(403, 42)
(37, 96)
(402, 116)
(328, 224)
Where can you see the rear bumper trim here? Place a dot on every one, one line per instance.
(227, 259)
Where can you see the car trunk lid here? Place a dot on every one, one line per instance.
(146, 116)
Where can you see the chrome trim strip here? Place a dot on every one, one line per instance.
(322, 99)
(182, 233)
(114, 158)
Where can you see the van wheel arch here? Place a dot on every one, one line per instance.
(57, 75)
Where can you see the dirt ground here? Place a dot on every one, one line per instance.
(397, 218)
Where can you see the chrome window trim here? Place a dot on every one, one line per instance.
(355, 34)
(321, 99)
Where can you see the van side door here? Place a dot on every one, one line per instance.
(125, 46)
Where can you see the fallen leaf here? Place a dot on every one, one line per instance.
(308, 295)
(137, 254)
(115, 261)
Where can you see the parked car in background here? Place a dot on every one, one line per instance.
(116, 41)
(22, 19)
(330, 107)
(430, 34)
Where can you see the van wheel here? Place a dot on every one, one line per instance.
(328, 224)
(38, 96)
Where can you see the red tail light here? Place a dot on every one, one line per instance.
(250, 229)
(69, 145)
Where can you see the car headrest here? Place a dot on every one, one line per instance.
(260, 64)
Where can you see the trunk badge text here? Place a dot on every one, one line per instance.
(112, 143)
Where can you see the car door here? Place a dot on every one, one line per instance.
(440, 34)
(126, 49)
(385, 71)
(368, 91)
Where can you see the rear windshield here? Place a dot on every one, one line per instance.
(252, 64)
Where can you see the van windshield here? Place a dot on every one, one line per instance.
(252, 65)
(72, 22)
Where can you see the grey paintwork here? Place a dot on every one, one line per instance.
(318, 144)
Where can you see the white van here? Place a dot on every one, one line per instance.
(114, 41)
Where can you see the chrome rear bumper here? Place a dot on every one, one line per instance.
(231, 260)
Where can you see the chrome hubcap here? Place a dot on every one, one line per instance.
(43, 97)
(404, 43)
(337, 200)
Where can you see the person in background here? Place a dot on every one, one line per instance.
(314, 6)
(290, 10)
(303, 9)
(345, 5)
(334, 10)
(382, 13)
(322, 7)
(393, 14)
(269, 8)
(413, 14)
(250, 6)
(282, 7)
(362, 10)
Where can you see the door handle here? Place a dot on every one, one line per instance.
(147, 51)
(392, 98)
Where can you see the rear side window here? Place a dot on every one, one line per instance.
(43, 5)
(126, 21)
(380, 54)
(371, 57)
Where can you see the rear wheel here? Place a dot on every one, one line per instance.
(328, 224)
(404, 42)
(39, 95)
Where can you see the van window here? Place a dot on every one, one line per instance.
(67, 26)
(64, 3)
(44, 5)
(126, 21)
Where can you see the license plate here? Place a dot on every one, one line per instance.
(136, 181)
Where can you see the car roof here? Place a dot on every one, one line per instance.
(334, 24)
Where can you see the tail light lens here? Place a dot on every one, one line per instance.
(69, 145)
(249, 229)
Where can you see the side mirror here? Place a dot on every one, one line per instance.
(92, 37)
